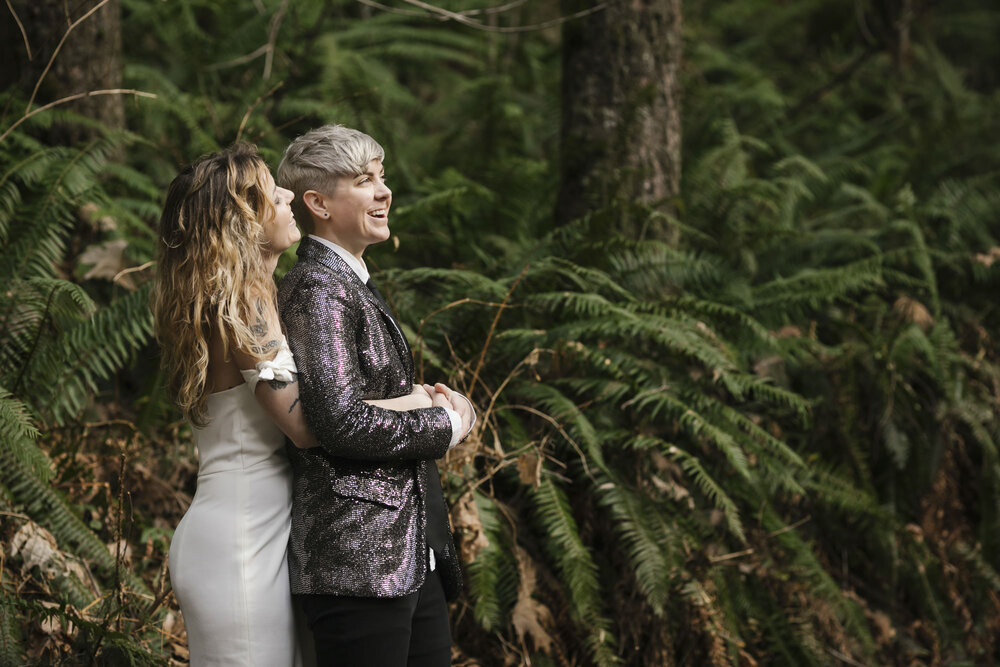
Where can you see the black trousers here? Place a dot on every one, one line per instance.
(410, 631)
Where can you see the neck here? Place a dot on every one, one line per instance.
(270, 261)
(332, 238)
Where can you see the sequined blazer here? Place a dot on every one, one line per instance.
(358, 509)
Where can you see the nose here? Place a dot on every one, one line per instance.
(288, 194)
(382, 190)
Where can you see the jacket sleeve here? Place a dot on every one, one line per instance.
(322, 323)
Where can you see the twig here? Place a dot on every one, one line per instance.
(70, 98)
(840, 78)
(735, 554)
(420, 327)
(253, 55)
(558, 426)
(464, 19)
(132, 269)
(59, 48)
(465, 12)
(790, 527)
(273, 37)
(496, 10)
(506, 380)
(493, 327)
(253, 106)
(20, 26)
(279, 128)
(394, 10)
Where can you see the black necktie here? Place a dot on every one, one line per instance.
(437, 516)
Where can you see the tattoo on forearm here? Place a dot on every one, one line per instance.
(278, 384)
(294, 403)
(259, 328)
(270, 345)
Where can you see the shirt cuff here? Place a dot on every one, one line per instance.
(456, 427)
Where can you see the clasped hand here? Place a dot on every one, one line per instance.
(442, 396)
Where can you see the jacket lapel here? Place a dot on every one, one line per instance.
(315, 251)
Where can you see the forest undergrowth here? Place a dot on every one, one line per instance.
(753, 425)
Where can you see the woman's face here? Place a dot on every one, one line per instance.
(280, 231)
(359, 209)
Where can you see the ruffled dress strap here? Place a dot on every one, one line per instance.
(281, 368)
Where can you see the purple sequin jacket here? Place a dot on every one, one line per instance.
(358, 510)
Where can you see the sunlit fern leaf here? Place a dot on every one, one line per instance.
(813, 287)
(693, 467)
(640, 525)
(18, 433)
(93, 350)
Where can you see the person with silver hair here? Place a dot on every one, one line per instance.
(371, 559)
(223, 227)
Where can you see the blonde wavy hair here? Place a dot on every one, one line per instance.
(210, 271)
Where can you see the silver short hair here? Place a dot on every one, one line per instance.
(318, 158)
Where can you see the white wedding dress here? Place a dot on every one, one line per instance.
(227, 558)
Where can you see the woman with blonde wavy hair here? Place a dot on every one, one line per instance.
(224, 225)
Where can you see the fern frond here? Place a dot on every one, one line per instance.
(576, 566)
(693, 467)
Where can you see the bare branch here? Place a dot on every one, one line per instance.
(132, 269)
(465, 12)
(463, 17)
(56, 53)
(20, 26)
(496, 10)
(272, 38)
(253, 106)
(393, 10)
(256, 53)
(489, 335)
(70, 98)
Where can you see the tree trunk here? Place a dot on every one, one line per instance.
(621, 133)
(89, 59)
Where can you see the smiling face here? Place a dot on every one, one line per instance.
(280, 231)
(358, 210)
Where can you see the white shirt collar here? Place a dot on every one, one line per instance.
(357, 265)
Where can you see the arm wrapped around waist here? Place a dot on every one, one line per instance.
(345, 355)
(281, 368)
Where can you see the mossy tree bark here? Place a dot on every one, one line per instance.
(89, 59)
(621, 130)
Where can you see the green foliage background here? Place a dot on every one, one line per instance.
(766, 437)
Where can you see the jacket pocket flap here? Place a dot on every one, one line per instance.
(372, 489)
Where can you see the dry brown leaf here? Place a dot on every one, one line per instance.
(987, 259)
(529, 469)
(529, 616)
(788, 331)
(468, 527)
(912, 310)
(108, 260)
(37, 546)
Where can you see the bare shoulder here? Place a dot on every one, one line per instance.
(223, 372)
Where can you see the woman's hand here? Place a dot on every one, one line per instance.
(443, 396)
(415, 400)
